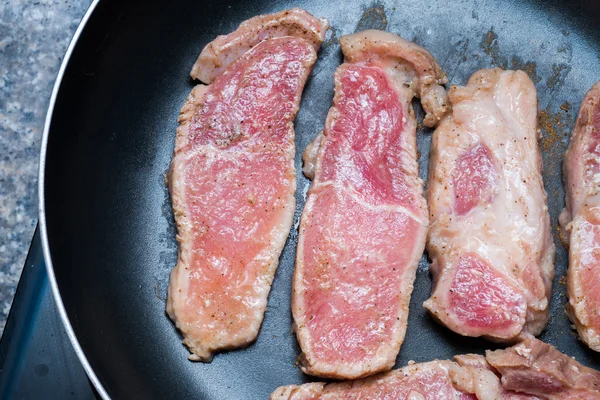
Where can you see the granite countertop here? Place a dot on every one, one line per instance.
(34, 36)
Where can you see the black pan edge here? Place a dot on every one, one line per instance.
(42, 208)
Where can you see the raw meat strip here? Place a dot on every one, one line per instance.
(364, 225)
(490, 238)
(531, 370)
(436, 380)
(581, 220)
(232, 178)
(470, 378)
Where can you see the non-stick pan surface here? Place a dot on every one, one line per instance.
(109, 231)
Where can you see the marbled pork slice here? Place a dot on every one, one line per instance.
(363, 228)
(435, 380)
(581, 220)
(531, 370)
(225, 49)
(490, 238)
(232, 178)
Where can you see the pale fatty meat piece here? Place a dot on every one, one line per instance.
(580, 220)
(490, 238)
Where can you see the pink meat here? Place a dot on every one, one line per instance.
(436, 380)
(486, 387)
(539, 369)
(473, 178)
(581, 219)
(225, 49)
(476, 293)
(363, 228)
(489, 239)
(469, 378)
(232, 183)
(531, 370)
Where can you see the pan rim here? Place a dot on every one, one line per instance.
(42, 207)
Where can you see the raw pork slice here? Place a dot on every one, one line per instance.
(436, 380)
(490, 238)
(470, 378)
(536, 368)
(232, 178)
(531, 370)
(364, 225)
(581, 220)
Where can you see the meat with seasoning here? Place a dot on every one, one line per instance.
(581, 220)
(469, 378)
(436, 380)
(490, 237)
(232, 178)
(531, 370)
(363, 229)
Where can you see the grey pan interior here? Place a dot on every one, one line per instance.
(105, 210)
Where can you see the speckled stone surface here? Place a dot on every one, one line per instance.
(34, 36)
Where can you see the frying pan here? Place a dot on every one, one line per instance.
(105, 213)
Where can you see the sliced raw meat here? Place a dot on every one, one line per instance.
(225, 49)
(531, 370)
(470, 378)
(363, 228)
(488, 388)
(581, 220)
(232, 180)
(437, 380)
(539, 369)
(490, 238)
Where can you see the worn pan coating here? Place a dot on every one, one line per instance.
(105, 212)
